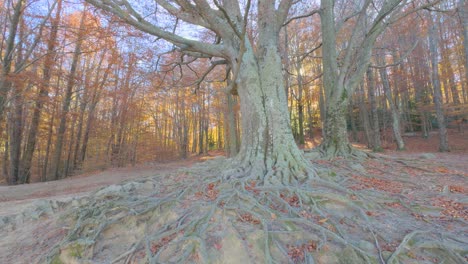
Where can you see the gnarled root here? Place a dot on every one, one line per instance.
(206, 219)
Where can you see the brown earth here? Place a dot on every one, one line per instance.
(415, 177)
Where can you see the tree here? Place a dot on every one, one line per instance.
(393, 107)
(42, 96)
(434, 57)
(268, 151)
(344, 70)
(55, 173)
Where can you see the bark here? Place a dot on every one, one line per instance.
(443, 140)
(230, 124)
(335, 138)
(268, 149)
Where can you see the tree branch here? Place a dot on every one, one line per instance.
(311, 13)
(123, 10)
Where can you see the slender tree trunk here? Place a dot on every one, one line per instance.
(300, 103)
(463, 14)
(91, 112)
(15, 133)
(7, 60)
(42, 97)
(448, 74)
(45, 176)
(352, 120)
(365, 116)
(393, 109)
(376, 142)
(443, 140)
(16, 116)
(55, 173)
(69, 161)
(310, 118)
(5, 87)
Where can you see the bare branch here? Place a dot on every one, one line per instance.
(407, 53)
(311, 13)
(124, 11)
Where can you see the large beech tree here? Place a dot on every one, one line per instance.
(268, 151)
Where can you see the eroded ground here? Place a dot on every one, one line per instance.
(410, 191)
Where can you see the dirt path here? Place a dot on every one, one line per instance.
(14, 199)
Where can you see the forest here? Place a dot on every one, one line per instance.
(309, 115)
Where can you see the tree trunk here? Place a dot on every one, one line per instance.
(300, 103)
(443, 140)
(268, 150)
(393, 109)
(463, 14)
(15, 133)
(352, 120)
(66, 103)
(365, 115)
(376, 142)
(231, 131)
(94, 101)
(7, 60)
(42, 97)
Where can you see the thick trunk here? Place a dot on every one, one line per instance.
(335, 139)
(231, 131)
(268, 151)
(335, 136)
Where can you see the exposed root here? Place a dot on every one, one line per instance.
(206, 219)
(347, 151)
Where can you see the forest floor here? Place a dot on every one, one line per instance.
(401, 183)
